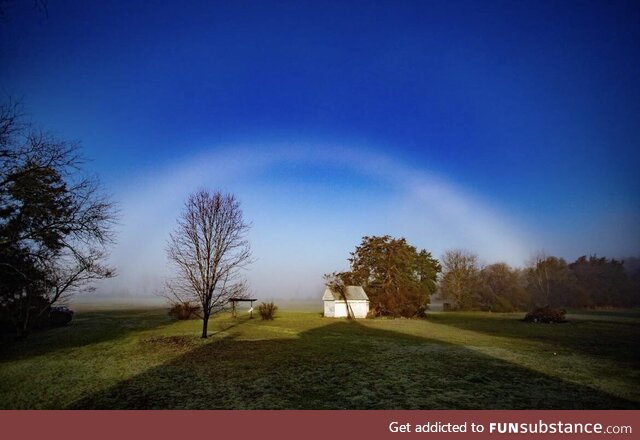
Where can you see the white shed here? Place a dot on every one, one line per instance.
(336, 307)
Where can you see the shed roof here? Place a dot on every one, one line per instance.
(351, 292)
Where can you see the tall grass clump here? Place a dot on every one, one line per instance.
(267, 310)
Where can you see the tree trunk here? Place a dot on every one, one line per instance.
(22, 329)
(205, 323)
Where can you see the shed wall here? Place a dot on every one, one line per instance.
(329, 309)
(338, 309)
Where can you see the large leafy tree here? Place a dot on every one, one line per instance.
(55, 223)
(398, 278)
(502, 289)
(604, 281)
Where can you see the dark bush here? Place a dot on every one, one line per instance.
(546, 314)
(267, 310)
(184, 310)
(52, 316)
(60, 315)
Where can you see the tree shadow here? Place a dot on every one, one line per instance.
(343, 365)
(615, 340)
(86, 328)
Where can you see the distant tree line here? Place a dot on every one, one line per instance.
(400, 280)
(588, 282)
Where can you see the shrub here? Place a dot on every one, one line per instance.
(267, 310)
(184, 310)
(546, 314)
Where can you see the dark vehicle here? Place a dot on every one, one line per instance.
(60, 315)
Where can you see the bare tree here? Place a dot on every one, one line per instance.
(502, 289)
(459, 278)
(208, 249)
(552, 283)
(539, 278)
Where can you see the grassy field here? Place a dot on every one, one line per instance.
(142, 359)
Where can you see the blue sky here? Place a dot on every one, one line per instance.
(502, 127)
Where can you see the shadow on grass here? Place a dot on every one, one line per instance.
(86, 328)
(341, 366)
(616, 340)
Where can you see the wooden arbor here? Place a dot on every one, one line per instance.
(233, 302)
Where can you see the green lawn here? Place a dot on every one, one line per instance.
(142, 359)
